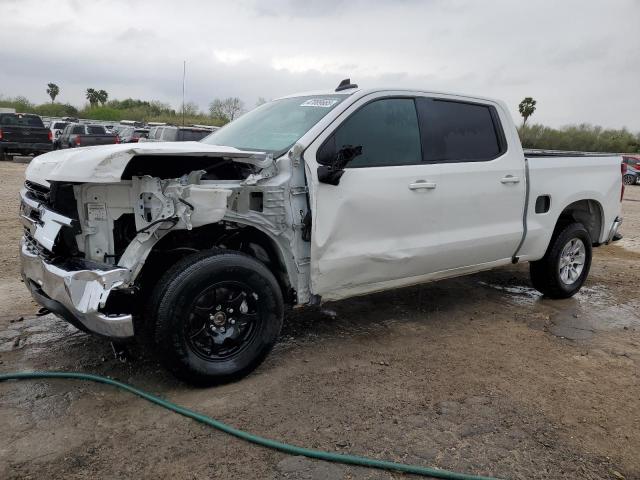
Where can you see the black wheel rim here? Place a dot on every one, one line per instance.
(222, 321)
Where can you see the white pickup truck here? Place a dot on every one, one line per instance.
(200, 246)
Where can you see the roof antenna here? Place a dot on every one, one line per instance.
(346, 84)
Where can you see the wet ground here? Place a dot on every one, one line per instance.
(478, 374)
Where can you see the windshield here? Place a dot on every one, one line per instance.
(275, 126)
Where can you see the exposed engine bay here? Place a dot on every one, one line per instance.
(165, 207)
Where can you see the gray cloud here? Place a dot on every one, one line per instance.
(578, 59)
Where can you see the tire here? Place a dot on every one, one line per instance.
(215, 316)
(629, 179)
(547, 274)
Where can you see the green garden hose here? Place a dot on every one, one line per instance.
(265, 442)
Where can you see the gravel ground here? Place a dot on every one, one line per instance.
(477, 374)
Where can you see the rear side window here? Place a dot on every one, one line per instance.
(386, 129)
(169, 134)
(191, 135)
(78, 129)
(96, 130)
(459, 132)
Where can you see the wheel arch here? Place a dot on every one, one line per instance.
(230, 236)
(588, 212)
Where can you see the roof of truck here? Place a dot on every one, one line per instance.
(367, 91)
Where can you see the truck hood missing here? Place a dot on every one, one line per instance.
(105, 164)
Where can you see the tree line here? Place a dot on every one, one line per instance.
(583, 137)
(99, 107)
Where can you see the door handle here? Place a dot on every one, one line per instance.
(510, 179)
(422, 184)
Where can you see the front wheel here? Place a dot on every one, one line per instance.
(565, 266)
(216, 315)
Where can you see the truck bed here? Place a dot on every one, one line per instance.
(557, 179)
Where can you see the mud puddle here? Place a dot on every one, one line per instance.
(590, 311)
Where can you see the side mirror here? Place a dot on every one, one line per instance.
(332, 163)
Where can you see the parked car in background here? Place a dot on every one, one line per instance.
(23, 134)
(56, 127)
(632, 175)
(177, 134)
(79, 135)
(131, 123)
(132, 134)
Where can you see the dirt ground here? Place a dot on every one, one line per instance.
(477, 374)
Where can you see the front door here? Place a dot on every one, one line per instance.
(380, 223)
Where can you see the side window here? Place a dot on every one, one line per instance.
(386, 129)
(78, 129)
(169, 134)
(459, 132)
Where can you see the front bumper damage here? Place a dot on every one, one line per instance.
(75, 289)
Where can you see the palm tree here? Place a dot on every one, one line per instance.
(53, 91)
(103, 96)
(93, 96)
(527, 107)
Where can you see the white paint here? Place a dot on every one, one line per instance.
(372, 232)
(375, 230)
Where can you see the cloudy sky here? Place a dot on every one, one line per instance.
(579, 59)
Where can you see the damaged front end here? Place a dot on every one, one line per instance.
(86, 243)
(72, 287)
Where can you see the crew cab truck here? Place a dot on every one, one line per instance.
(198, 247)
(85, 135)
(23, 134)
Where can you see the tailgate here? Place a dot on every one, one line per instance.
(24, 134)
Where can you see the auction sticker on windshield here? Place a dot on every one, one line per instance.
(319, 102)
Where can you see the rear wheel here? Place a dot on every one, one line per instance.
(216, 316)
(565, 266)
(629, 179)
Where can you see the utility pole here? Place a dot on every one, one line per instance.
(184, 74)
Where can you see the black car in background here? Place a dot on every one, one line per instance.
(23, 134)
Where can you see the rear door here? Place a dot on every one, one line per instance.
(482, 180)
(379, 225)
